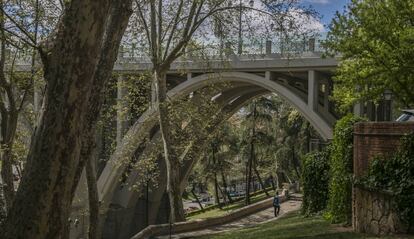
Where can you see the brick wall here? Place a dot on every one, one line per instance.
(370, 211)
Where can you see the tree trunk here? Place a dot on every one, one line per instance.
(216, 191)
(8, 132)
(225, 185)
(43, 201)
(170, 156)
(198, 200)
(252, 154)
(8, 177)
(117, 23)
(9, 117)
(93, 198)
(272, 181)
(261, 181)
(222, 194)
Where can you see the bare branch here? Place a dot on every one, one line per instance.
(174, 28)
(21, 28)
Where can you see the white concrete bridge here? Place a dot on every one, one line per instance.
(304, 80)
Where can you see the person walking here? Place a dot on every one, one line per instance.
(276, 203)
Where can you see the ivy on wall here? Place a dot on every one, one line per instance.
(395, 173)
(341, 169)
(315, 177)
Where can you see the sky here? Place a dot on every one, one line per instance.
(327, 8)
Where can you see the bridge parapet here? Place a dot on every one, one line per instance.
(254, 49)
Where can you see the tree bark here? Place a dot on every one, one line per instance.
(43, 201)
(170, 156)
(93, 198)
(120, 13)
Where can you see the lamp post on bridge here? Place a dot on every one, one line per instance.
(387, 95)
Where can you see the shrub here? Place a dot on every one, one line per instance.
(341, 169)
(315, 177)
(395, 173)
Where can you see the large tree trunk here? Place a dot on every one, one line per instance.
(170, 156)
(118, 20)
(43, 201)
(93, 199)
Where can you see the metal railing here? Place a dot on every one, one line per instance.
(255, 48)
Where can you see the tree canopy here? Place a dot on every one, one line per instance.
(375, 40)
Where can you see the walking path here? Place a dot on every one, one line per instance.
(249, 221)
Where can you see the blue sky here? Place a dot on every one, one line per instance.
(327, 8)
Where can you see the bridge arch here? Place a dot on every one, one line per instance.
(319, 123)
(109, 179)
(136, 134)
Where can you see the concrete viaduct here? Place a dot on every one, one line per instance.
(304, 80)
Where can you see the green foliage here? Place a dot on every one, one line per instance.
(315, 179)
(341, 162)
(395, 173)
(375, 39)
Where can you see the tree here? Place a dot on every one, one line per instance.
(70, 57)
(14, 92)
(374, 39)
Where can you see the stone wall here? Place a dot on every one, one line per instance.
(373, 211)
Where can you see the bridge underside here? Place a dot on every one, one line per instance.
(126, 210)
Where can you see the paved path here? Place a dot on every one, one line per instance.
(249, 221)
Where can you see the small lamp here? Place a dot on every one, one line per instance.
(387, 95)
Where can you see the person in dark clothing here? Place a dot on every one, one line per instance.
(276, 204)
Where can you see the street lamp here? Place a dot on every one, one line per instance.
(387, 95)
(240, 43)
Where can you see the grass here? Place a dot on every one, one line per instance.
(295, 226)
(231, 207)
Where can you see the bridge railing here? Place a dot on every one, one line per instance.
(254, 48)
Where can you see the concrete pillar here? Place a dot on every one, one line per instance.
(312, 90)
(120, 52)
(268, 47)
(122, 109)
